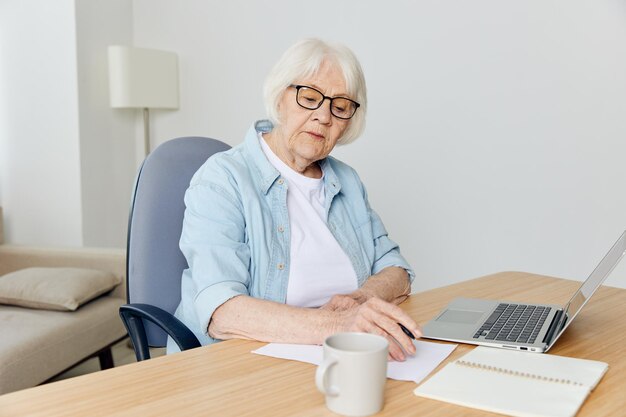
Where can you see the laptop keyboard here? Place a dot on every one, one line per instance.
(514, 323)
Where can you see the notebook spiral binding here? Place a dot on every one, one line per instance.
(516, 373)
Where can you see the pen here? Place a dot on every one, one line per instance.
(406, 331)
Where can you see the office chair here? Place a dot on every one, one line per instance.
(154, 262)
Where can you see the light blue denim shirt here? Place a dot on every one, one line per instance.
(236, 233)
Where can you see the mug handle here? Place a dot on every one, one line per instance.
(321, 380)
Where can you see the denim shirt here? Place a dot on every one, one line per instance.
(236, 236)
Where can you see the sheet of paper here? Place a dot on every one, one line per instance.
(414, 368)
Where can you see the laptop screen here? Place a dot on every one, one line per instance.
(591, 284)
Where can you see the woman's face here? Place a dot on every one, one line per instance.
(306, 136)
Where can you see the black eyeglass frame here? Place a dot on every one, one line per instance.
(330, 99)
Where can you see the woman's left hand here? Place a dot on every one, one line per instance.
(391, 284)
(341, 302)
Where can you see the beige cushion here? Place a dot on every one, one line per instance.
(54, 288)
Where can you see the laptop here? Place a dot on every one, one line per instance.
(514, 325)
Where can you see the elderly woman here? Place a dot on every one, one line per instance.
(281, 242)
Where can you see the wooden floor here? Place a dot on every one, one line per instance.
(122, 355)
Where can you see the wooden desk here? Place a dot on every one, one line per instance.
(225, 379)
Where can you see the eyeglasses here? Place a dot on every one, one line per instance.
(312, 99)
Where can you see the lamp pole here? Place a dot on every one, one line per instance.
(146, 130)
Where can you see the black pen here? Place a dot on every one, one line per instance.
(406, 331)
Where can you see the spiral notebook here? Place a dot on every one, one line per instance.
(515, 383)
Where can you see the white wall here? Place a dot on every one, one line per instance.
(67, 160)
(39, 164)
(107, 136)
(495, 136)
(494, 139)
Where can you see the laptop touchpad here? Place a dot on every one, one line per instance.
(460, 316)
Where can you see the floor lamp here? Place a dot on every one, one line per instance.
(143, 78)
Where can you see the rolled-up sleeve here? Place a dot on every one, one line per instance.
(213, 242)
(386, 251)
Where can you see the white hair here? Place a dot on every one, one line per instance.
(303, 60)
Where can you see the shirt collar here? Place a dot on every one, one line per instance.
(267, 173)
(331, 180)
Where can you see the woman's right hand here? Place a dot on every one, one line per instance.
(380, 317)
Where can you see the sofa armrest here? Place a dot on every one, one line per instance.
(14, 257)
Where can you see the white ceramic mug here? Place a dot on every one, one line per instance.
(353, 373)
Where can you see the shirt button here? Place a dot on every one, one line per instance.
(281, 181)
(281, 229)
(281, 266)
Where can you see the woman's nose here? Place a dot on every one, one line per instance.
(322, 113)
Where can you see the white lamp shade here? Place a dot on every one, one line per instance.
(145, 78)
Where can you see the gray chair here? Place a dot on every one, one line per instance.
(154, 262)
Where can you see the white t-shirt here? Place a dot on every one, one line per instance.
(319, 267)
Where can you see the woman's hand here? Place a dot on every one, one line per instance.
(391, 284)
(377, 317)
(342, 302)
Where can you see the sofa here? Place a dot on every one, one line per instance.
(37, 344)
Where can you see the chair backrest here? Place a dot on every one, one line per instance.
(154, 262)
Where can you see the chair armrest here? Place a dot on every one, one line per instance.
(133, 315)
(14, 257)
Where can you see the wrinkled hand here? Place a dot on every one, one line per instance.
(340, 302)
(379, 317)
